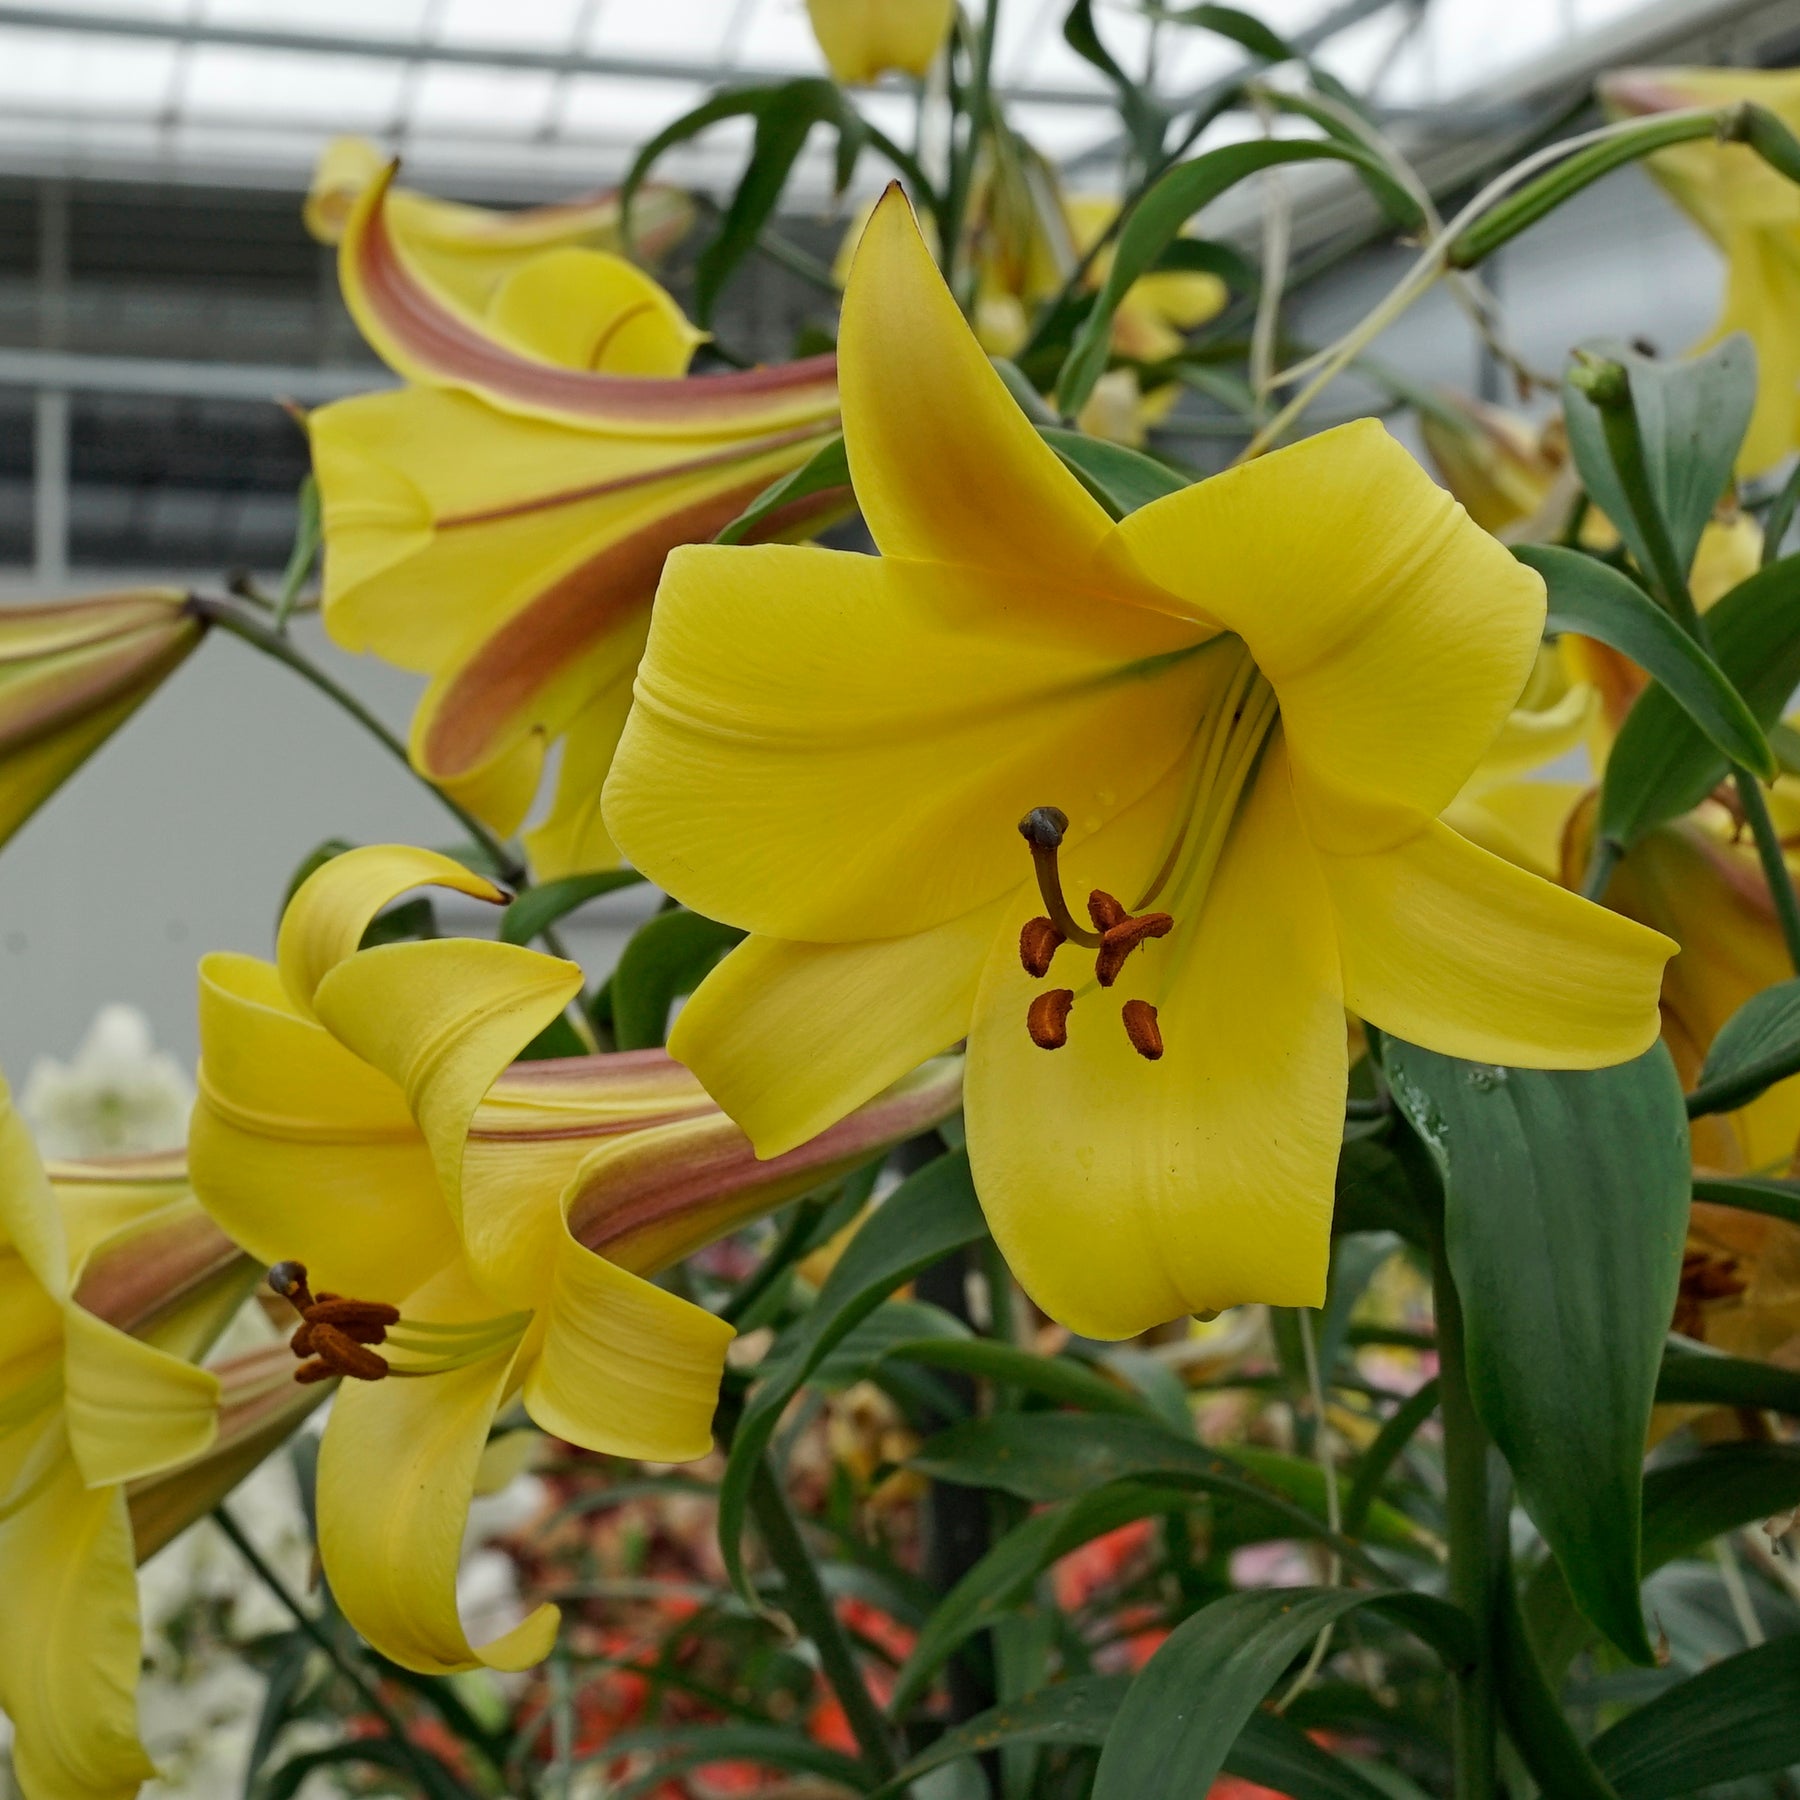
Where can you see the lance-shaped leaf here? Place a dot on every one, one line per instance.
(1691, 418)
(929, 1215)
(1757, 1046)
(71, 673)
(1595, 600)
(1662, 765)
(1565, 1215)
(1185, 1710)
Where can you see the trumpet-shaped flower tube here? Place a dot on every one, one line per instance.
(863, 39)
(500, 523)
(71, 673)
(481, 1232)
(109, 1280)
(1753, 214)
(1228, 721)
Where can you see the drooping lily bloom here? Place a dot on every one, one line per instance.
(457, 1233)
(468, 251)
(71, 673)
(499, 524)
(1752, 214)
(110, 1283)
(1225, 727)
(863, 39)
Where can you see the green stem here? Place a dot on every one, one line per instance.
(810, 1607)
(433, 1775)
(1472, 1573)
(1601, 863)
(964, 156)
(273, 644)
(1773, 859)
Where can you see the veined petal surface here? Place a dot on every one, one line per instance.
(131, 1409)
(1397, 635)
(301, 1150)
(836, 747)
(867, 1012)
(1126, 1192)
(1450, 947)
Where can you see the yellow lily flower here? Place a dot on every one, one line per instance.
(95, 1391)
(1250, 700)
(467, 252)
(1752, 214)
(492, 1228)
(499, 524)
(71, 673)
(863, 39)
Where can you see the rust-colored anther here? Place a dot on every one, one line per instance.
(335, 1331)
(1038, 943)
(1105, 911)
(1048, 1019)
(1121, 939)
(1141, 1027)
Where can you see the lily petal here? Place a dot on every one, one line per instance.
(131, 1409)
(1125, 1192)
(646, 1200)
(1452, 948)
(573, 836)
(441, 1020)
(396, 1474)
(69, 1682)
(836, 747)
(425, 334)
(30, 1226)
(299, 1149)
(945, 465)
(1396, 634)
(871, 1011)
(626, 1367)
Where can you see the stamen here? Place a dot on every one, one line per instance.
(1039, 941)
(334, 1332)
(1141, 1027)
(1121, 939)
(1048, 1018)
(1044, 828)
(1105, 911)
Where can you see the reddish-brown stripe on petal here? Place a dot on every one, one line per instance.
(456, 351)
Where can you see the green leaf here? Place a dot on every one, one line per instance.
(1661, 765)
(1122, 480)
(1595, 600)
(1269, 1750)
(1144, 118)
(1756, 1047)
(1157, 219)
(1373, 1465)
(1060, 1456)
(826, 471)
(1059, 1378)
(784, 115)
(1692, 414)
(1376, 1192)
(1003, 1579)
(1740, 1717)
(1246, 32)
(539, 908)
(1565, 1217)
(1707, 1378)
(1767, 1194)
(929, 1215)
(695, 1746)
(667, 957)
(891, 1330)
(1185, 1710)
(1686, 1505)
(1070, 1712)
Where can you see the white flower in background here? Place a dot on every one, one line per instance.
(117, 1093)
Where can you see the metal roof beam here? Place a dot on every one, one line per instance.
(379, 49)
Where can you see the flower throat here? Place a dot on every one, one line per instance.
(1226, 749)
